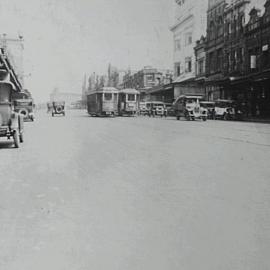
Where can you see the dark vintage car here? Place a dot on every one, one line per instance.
(210, 107)
(25, 107)
(58, 107)
(188, 106)
(225, 109)
(11, 123)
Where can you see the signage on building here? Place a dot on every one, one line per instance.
(253, 61)
(265, 48)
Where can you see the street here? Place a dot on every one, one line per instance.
(135, 193)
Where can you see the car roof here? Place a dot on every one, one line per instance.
(8, 83)
(207, 102)
(189, 97)
(225, 100)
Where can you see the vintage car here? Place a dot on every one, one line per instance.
(225, 109)
(157, 108)
(143, 110)
(11, 123)
(25, 107)
(170, 109)
(210, 107)
(58, 107)
(189, 107)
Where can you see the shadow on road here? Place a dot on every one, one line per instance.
(7, 145)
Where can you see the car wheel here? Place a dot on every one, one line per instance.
(16, 138)
(204, 118)
(225, 117)
(178, 117)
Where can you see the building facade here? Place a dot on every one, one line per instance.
(189, 26)
(237, 54)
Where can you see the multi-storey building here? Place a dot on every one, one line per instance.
(236, 49)
(189, 26)
(146, 79)
(214, 48)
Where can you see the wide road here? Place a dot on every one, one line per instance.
(86, 193)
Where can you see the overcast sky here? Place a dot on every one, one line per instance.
(66, 38)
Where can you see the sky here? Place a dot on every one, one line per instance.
(65, 39)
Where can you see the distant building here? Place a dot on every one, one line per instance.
(147, 79)
(69, 98)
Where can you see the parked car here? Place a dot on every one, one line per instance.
(157, 108)
(189, 107)
(170, 109)
(58, 107)
(225, 109)
(11, 123)
(143, 108)
(210, 107)
(25, 107)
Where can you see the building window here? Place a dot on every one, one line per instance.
(219, 59)
(211, 62)
(211, 30)
(240, 55)
(201, 67)
(229, 28)
(242, 23)
(188, 39)
(188, 64)
(177, 45)
(220, 27)
(177, 69)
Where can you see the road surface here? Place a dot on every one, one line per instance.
(135, 193)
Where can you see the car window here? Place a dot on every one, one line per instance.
(4, 96)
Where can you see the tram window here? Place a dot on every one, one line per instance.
(108, 96)
(131, 97)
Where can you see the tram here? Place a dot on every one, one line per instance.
(103, 102)
(128, 102)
